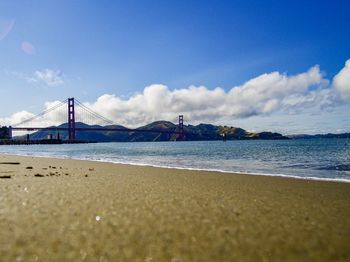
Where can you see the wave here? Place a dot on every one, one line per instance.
(342, 167)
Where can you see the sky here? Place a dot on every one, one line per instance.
(279, 66)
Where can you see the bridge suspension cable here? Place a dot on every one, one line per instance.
(87, 116)
(93, 113)
(64, 102)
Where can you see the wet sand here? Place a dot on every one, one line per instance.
(68, 210)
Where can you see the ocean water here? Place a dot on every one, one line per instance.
(324, 159)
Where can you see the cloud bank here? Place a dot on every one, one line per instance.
(264, 95)
(341, 82)
(261, 96)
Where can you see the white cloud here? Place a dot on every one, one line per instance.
(262, 95)
(268, 94)
(48, 77)
(16, 117)
(341, 82)
(53, 117)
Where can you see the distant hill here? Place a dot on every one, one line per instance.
(192, 133)
(329, 135)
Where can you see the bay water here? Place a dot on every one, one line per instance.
(323, 159)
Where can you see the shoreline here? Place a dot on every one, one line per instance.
(67, 210)
(307, 178)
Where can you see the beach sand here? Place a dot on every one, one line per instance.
(69, 210)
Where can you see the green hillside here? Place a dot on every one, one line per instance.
(192, 133)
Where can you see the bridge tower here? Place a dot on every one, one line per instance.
(71, 119)
(10, 132)
(181, 127)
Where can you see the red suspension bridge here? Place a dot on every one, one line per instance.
(71, 111)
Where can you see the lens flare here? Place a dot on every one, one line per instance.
(28, 48)
(5, 27)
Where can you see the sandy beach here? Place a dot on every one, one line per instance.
(70, 210)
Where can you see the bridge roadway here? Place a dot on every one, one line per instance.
(94, 129)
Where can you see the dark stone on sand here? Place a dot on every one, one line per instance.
(10, 163)
(86, 175)
(29, 167)
(5, 176)
(39, 175)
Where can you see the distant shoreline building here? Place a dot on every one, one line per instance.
(5, 132)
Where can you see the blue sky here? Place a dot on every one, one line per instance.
(51, 50)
